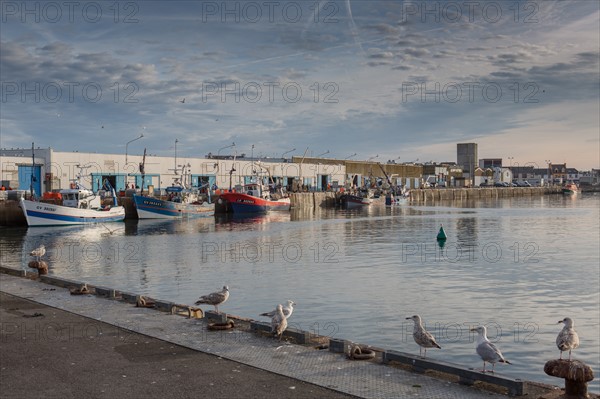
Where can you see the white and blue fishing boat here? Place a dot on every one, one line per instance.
(181, 202)
(79, 206)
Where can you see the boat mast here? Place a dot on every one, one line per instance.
(233, 168)
(32, 172)
(143, 171)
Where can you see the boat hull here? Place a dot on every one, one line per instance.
(248, 204)
(350, 201)
(43, 214)
(570, 189)
(154, 208)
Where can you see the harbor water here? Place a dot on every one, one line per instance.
(516, 265)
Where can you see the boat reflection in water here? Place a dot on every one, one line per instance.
(228, 219)
(142, 227)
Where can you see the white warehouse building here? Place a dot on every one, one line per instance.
(54, 170)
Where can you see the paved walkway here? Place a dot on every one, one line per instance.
(96, 347)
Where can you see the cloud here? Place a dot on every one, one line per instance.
(361, 64)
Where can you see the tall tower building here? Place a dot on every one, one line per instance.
(466, 156)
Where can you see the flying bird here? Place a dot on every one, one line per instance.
(486, 350)
(38, 252)
(279, 322)
(215, 298)
(567, 339)
(288, 308)
(182, 101)
(422, 337)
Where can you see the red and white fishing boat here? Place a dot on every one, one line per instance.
(253, 199)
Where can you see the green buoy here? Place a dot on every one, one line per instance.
(441, 236)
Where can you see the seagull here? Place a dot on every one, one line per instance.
(182, 101)
(567, 339)
(279, 322)
(486, 350)
(288, 308)
(422, 337)
(38, 252)
(215, 298)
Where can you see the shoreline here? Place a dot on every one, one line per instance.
(374, 377)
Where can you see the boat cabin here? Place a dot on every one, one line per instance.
(80, 198)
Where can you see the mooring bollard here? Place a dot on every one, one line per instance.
(40, 265)
(576, 374)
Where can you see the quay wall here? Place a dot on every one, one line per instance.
(330, 199)
(449, 194)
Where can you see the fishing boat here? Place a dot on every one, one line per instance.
(255, 199)
(570, 188)
(79, 206)
(182, 201)
(399, 196)
(352, 201)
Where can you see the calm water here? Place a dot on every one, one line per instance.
(515, 265)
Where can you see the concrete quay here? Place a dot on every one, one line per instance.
(58, 345)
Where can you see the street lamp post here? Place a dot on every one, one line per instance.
(227, 146)
(127, 145)
(326, 152)
(126, 148)
(350, 156)
(287, 152)
(376, 156)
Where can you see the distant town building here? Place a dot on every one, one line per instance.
(590, 178)
(491, 163)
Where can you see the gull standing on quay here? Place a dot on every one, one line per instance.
(38, 252)
(279, 322)
(422, 337)
(567, 339)
(486, 350)
(215, 298)
(288, 308)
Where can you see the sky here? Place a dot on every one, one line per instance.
(379, 80)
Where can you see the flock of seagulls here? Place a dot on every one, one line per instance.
(567, 339)
(278, 316)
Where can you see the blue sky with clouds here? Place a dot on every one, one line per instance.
(396, 79)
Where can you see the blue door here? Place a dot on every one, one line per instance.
(26, 181)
